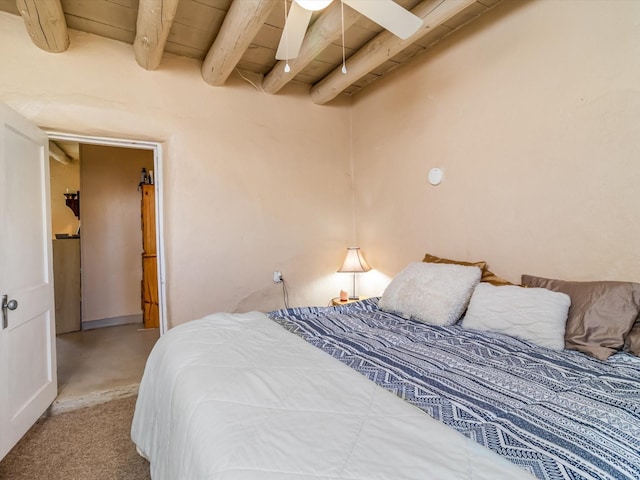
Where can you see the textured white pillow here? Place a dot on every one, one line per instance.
(434, 293)
(534, 314)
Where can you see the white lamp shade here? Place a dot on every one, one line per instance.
(313, 5)
(354, 262)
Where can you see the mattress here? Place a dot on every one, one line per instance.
(238, 397)
(554, 414)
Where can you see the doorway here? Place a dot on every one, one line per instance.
(105, 358)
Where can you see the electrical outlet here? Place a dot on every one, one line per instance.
(277, 277)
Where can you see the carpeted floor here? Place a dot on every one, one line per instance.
(92, 443)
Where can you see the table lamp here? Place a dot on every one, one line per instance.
(354, 263)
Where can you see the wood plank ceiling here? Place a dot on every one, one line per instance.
(243, 35)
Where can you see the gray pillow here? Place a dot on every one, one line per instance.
(632, 342)
(601, 313)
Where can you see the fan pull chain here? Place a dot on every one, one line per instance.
(344, 66)
(287, 68)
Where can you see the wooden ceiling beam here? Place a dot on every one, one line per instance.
(58, 154)
(324, 31)
(383, 47)
(155, 18)
(241, 24)
(45, 23)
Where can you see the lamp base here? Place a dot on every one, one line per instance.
(354, 298)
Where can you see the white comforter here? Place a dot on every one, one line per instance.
(235, 396)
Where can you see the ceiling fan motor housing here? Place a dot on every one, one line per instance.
(313, 5)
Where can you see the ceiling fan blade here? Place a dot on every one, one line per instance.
(388, 14)
(293, 33)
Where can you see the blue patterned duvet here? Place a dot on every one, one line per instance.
(559, 415)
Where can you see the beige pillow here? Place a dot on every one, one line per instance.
(601, 313)
(487, 275)
(433, 259)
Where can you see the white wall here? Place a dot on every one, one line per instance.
(253, 182)
(533, 112)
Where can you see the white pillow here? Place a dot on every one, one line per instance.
(434, 293)
(534, 314)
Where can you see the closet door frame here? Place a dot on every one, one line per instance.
(157, 149)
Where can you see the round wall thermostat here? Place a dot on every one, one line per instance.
(435, 176)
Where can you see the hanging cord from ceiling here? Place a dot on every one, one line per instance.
(344, 66)
(287, 68)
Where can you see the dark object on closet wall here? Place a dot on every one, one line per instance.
(73, 202)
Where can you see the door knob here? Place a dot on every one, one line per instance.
(7, 305)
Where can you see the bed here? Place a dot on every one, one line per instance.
(362, 391)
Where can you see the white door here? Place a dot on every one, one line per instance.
(28, 382)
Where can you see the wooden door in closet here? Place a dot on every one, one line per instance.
(150, 314)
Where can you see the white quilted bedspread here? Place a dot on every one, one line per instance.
(235, 396)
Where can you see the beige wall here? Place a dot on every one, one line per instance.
(63, 178)
(532, 112)
(253, 182)
(534, 115)
(111, 233)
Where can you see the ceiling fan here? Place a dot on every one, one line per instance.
(385, 13)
